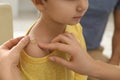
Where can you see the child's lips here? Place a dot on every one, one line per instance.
(77, 17)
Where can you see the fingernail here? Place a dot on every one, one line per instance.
(52, 58)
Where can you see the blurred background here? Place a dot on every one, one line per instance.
(25, 14)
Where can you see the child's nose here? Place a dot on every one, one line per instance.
(82, 5)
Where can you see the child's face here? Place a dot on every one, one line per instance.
(65, 11)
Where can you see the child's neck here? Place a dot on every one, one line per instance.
(52, 27)
(47, 30)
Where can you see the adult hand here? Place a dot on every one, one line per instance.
(80, 61)
(10, 50)
(9, 57)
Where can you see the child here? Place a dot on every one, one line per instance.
(57, 17)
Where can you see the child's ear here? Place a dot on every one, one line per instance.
(39, 4)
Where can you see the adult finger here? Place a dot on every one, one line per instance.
(69, 35)
(56, 46)
(60, 61)
(61, 38)
(51, 46)
(10, 43)
(21, 44)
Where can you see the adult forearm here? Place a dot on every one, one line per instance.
(106, 71)
(116, 38)
(116, 47)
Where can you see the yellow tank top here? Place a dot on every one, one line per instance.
(42, 69)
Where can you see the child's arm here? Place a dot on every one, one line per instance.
(80, 61)
(9, 58)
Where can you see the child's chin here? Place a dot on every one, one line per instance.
(74, 23)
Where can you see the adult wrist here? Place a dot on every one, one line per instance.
(96, 69)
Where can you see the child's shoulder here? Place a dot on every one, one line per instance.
(34, 51)
(76, 28)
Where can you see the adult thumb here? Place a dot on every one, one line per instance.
(61, 61)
